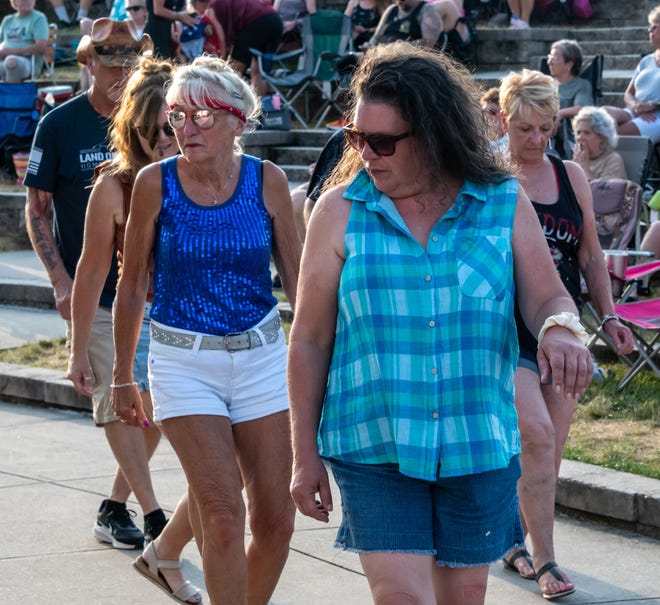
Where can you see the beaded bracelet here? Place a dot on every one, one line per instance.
(123, 384)
(607, 317)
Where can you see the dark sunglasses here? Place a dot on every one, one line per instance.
(150, 136)
(380, 144)
(133, 9)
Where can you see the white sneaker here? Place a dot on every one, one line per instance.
(518, 23)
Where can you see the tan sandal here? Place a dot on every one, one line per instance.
(149, 565)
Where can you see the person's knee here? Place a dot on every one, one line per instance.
(537, 436)
(223, 525)
(276, 528)
(386, 594)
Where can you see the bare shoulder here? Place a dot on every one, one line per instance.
(574, 171)
(273, 175)
(332, 209)
(149, 176)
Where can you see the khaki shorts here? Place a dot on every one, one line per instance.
(101, 357)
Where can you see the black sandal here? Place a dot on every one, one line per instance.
(510, 563)
(550, 567)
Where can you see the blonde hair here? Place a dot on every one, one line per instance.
(654, 15)
(209, 77)
(141, 103)
(528, 91)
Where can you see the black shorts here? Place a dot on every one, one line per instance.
(263, 33)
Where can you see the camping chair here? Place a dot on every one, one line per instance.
(617, 206)
(326, 36)
(636, 152)
(643, 319)
(330, 34)
(625, 282)
(48, 58)
(18, 119)
(637, 155)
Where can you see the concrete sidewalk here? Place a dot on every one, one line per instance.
(55, 468)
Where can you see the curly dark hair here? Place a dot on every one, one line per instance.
(440, 101)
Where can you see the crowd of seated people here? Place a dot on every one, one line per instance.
(23, 34)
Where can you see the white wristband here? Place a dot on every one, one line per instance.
(567, 320)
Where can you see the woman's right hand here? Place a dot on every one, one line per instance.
(127, 404)
(580, 156)
(308, 480)
(81, 375)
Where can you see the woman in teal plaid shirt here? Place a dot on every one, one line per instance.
(404, 348)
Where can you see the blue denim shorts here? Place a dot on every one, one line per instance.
(466, 521)
(141, 359)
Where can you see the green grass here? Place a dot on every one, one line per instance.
(618, 429)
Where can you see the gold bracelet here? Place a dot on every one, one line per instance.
(123, 384)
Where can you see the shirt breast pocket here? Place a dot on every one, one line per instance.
(482, 266)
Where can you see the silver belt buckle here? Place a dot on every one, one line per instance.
(235, 337)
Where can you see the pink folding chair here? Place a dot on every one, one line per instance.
(643, 319)
(625, 281)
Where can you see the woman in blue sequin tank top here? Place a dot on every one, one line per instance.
(211, 219)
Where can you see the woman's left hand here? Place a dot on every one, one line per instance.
(565, 360)
(620, 335)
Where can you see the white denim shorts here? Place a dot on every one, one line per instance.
(647, 129)
(241, 385)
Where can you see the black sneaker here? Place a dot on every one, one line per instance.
(115, 526)
(154, 523)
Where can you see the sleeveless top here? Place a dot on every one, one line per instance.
(404, 28)
(562, 226)
(212, 263)
(366, 17)
(425, 347)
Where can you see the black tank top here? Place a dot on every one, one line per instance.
(562, 224)
(406, 28)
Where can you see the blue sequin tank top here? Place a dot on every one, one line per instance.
(212, 263)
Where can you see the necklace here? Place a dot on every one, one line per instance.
(214, 198)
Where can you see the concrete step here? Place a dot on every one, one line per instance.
(303, 155)
(613, 48)
(296, 172)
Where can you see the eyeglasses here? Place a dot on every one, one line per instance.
(134, 9)
(203, 118)
(148, 135)
(380, 144)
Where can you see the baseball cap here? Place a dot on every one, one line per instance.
(117, 43)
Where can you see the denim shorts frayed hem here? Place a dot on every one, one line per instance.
(468, 521)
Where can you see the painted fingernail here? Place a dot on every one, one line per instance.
(146, 424)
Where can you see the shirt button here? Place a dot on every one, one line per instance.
(427, 278)
(436, 415)
(434, 370)
(435, 238)
(431, 324)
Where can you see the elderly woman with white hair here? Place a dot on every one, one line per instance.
(211, 218)
(595, 143)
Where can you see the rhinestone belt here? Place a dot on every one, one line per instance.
(236, 341)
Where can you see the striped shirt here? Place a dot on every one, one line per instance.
(425, 349)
